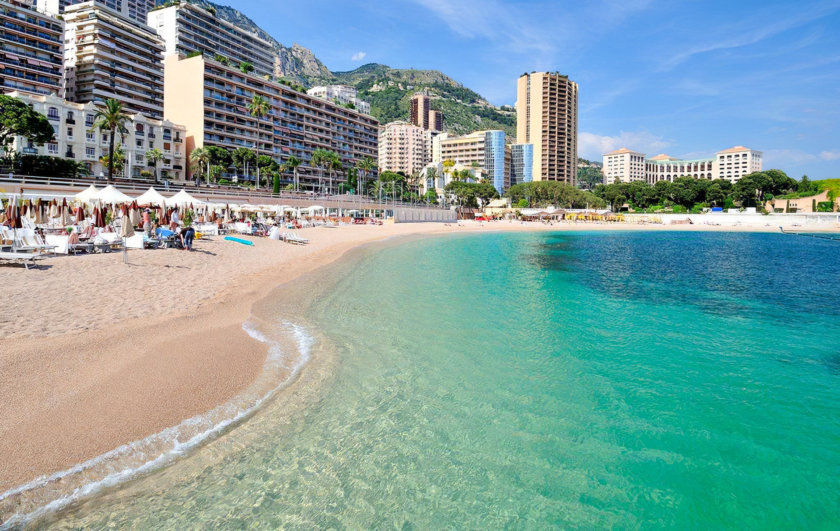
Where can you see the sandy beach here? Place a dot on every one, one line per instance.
(98, 353)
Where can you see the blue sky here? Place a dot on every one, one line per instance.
(686, 78)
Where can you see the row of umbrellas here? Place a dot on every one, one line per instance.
(111, 195)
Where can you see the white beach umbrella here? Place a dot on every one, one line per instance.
(110, 195)
(151, 197)
(183, 198)
(88, 195)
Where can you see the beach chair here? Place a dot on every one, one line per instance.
(28, 259)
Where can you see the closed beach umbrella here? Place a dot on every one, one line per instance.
(126, 229)
(53, 209)
(80, 214)
(98, 218)
(134, 215)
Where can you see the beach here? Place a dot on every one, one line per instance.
(98, 353)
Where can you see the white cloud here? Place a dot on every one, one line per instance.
(830, 155)
(592, 146)
(358, 56)
(782, 158)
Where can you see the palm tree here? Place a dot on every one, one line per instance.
(200, 160)
(365, 165)
(337, 166)
(113, 119)
(154, 156)
(241, 157)
(293, 163)
(258, 108)
(324, 160)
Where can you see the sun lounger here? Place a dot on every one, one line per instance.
(26, 258)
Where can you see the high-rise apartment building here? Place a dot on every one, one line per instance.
(136, 10)
(75, 138)
(624, 166)
(436, 121)
(485, 153)
(343, 94)
(521, 163)
(187, 28)
(31, 49)
(108, 55)
(404, 147)
(211, 98)
(547, 117)
(421, 104)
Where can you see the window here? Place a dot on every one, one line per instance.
(139, 143)
(70, 133)
(89, 120)
(90, 136)
(52, 148)
(52, 113)
(90, 152)
(70, 117)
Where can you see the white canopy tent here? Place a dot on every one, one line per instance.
(151, 197)
(183, 198)
(87, 195)
(109, 194)
(313, 209)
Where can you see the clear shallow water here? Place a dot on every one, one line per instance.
(536, 381)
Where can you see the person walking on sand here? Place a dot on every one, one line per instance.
(187, 236)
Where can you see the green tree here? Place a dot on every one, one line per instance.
(200, 161)
(242, 158)
(111, 118)
(219, 156)
(258, 107)
(154, 156)
(19, 119)
(325, 160)
(115, 160)
(292, 163)
(364, 166)
(589, 177)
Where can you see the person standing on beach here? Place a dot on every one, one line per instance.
(175, 219)
(187, 236)
(147, 222)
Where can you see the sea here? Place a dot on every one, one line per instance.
(526, 381)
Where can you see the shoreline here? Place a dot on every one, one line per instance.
(135, 376)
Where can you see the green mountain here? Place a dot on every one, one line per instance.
(389, 92)
(387, 89)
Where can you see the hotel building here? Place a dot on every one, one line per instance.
(547, 117)
(31, 50)
(342, 94)
(731, 164)
(211, 100)
(187, 28)
(623, 166)
(107, 55)
(136, 10)
(76, 139)
(521, 163)
(404, 147)
(483, 152)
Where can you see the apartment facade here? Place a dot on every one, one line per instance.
(76, 138)
(436, 121)
(211, 100)
(107, 55)
(623, 166)
(342, 94)
(485, 153)
(187, 28)
(421, 104)
(547, 117)
(521, 163)
(31, 50)
(404, 147)
(135, 10)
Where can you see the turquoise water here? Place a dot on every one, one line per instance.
(539, 381)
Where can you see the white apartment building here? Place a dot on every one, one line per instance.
(107, 55)
(404, 147)
(187, 28)
(136, 10)
(75, 138)
(343, 94)
(623, 166)
(626, 166)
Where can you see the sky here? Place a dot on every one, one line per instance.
(686, 78)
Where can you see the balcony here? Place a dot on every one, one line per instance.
(70, 121)
(30, 151)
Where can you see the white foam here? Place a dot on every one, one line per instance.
(230, 413)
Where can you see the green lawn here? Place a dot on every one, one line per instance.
(831, 185)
